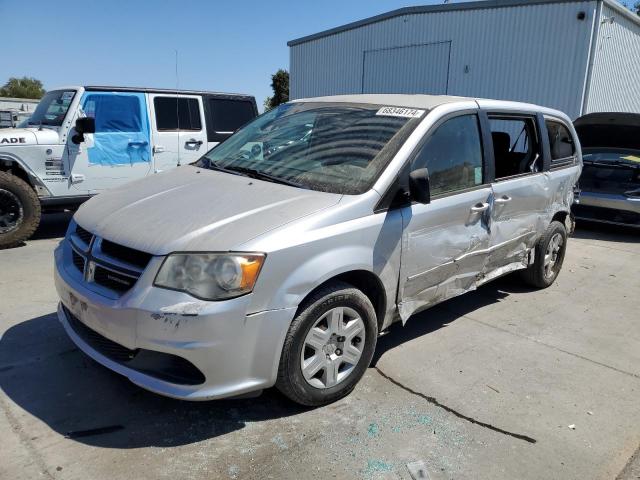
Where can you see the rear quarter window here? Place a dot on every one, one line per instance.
(228, 115)
(560, 143)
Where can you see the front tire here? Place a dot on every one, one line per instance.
(19, 210)
(549, 256)
(329, 346)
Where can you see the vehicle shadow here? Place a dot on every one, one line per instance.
(445, 313)
(43, 373)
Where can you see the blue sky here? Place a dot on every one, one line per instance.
(223, 46)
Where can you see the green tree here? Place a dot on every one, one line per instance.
(280, 86)
(24, 87)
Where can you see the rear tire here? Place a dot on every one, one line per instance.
(549, 256)
(19, 210)
(329, 345)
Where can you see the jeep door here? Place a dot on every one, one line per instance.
(445, 242)
(521, 189)
(120, 150)
(179, 135)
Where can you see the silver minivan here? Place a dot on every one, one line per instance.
(280, 255)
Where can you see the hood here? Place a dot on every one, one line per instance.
(193, 209)
(609, 130)
(27, 136)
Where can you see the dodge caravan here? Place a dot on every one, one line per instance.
(279, 256)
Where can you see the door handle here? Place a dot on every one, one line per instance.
(138, 144)
(158, 149)
(193, 141)
(480, 207)
(502, 200)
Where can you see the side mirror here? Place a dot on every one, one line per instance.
(83, 125)
(419, 186)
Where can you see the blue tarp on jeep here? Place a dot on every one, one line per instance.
(122, 134)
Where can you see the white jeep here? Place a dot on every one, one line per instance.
(83, 140)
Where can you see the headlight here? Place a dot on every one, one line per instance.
(210, 276)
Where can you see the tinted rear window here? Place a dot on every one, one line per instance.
(177, 113)
(230, 115)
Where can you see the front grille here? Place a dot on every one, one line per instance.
(113, 280)
(84, 235)
(163, 366)
(125, 254)
(109, 265)
(78, 260)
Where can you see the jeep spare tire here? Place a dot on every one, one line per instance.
(19, 210)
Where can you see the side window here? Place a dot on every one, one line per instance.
(177, 114)
(453, 155)
(114, 113)
(560, 141)
(515, 145)
(230, 115)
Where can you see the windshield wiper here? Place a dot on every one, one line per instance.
(257, 174)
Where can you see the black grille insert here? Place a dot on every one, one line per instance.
(78, 261)
(106, 347)
(113, 280)
(163, 366)
(84, 235)
(125, 254)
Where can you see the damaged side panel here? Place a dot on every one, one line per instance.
(444, 249)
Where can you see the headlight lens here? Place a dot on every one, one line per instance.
(210, 276)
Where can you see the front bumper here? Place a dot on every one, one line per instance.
(236, 352)
(608, 208)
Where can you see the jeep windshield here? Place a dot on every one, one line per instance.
(53, 108)
(331, 147)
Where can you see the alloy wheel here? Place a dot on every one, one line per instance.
(333, 347)
(552, 254)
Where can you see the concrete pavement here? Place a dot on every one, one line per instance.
(485, 386)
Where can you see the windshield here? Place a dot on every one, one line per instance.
(631, 157)
(330, 147)
(52, 108)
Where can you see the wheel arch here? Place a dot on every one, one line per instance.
(364, 280)
(15, 168)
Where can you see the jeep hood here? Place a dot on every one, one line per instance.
(194, 209)
(27, 136)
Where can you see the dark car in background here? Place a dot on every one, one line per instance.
(610, 180)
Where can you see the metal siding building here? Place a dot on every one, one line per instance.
(556, 53)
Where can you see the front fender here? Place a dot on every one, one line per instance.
(10, 160)
(371, 243)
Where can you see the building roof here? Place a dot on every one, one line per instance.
(19, 100)
(449, 7)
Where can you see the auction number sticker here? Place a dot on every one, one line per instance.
(400, 112)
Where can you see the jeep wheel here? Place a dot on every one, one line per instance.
(549, 255)
(19, 210)
(329, 346)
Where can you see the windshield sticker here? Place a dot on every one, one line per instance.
(67, 96)
(400, 112)
(632, 158)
